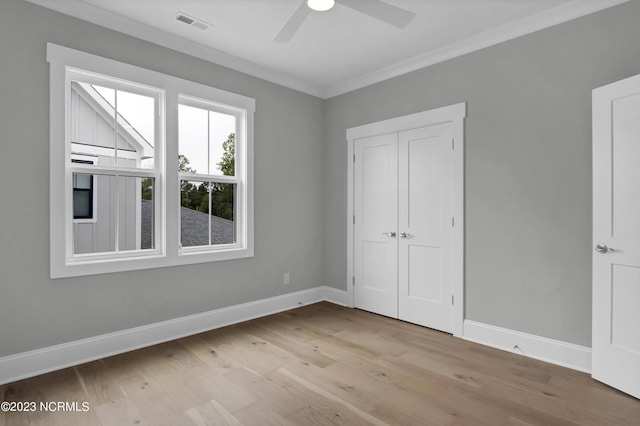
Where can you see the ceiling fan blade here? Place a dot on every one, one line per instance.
(382, 11)
(293, 24)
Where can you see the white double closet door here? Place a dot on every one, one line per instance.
(403, 225)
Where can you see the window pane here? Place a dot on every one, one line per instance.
(194, 213)
(81, 181)
(90, 131)
(109, 95)
(123, 216)
(94, 110)
(222, 128)
(82, 204)
(136, 120)
(147, 222)
(207, 214)
(206, 141)
(135, 213)
(98, 235)
(193, 142)
(82, 196)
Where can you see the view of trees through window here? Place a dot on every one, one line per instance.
(196, 196)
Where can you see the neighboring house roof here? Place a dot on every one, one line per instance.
(194, 227)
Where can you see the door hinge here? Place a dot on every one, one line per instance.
(354, 219)
(354, 158)
(353, 280)
(452, 299)
(453, 222)
(453, 144)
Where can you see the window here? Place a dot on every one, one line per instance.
(208, 180)
(147, 170)
(83, 200)
(117, 123)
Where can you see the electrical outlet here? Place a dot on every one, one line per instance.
(287, 279)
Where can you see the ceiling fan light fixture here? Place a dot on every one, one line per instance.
(320, 5)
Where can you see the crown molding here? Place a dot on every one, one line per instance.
(557, 15)
(104, 18)
(87, 12)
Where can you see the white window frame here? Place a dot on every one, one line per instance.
(238, 179)
(73, 74)
(166, 251)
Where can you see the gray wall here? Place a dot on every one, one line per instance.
(527, 165)
(37, 312)
(528, 172)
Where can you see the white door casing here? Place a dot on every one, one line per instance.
(616, 235)
(421, 247)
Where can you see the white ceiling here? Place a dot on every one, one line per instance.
(334, 51)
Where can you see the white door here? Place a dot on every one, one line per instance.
(616, 235)
(402, 225)
(375, 224)
(425, 226)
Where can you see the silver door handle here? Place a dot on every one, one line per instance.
(404, 235)
(602, 248)
(389, 234)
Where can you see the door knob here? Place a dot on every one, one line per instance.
(404, 235)
(602, 248)
(389, 234)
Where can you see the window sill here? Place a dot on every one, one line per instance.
(75, 268)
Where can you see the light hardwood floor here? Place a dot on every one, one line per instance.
(321, 364)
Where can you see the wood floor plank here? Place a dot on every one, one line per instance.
(278, 398)
(322, 364)
(354, 414)
(226, 393)
(121, 411)
(302, 352)
(341, 387)
(204, 346)
(520, 398)
(262, 413)
(212, 413)
(379, 383)
(96, 382)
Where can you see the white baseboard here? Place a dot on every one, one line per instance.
(549, 350)
(39, 361)
(339, 297)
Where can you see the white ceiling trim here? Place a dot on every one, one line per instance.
(539, 21)
(95, 15)
(548, 18)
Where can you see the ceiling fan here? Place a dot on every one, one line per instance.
(377, 9)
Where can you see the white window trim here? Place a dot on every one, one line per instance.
(167, 251)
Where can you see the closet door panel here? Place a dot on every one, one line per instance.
(424, 224)
(375, 227)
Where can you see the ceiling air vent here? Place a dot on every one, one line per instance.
(190, 20)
